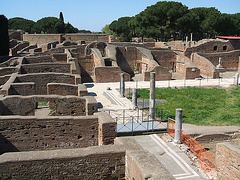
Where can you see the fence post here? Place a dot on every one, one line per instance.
(178, 126)
(134, 98)
(122, 85)
(152, 96)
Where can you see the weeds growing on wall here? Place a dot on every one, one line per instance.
(201, 106)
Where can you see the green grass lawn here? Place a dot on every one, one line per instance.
(201, 106)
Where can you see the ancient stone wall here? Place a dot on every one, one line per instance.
(106, 129)
(127, 58)
(228, 161)
(4, 79)
(59, 57)
(37, 59)
(205, 66)
(41, 80)
(165, 58)
(62, 89)
(177, 45)
(45, 67)
(23, 89)
(109, 74)
(42, 38)
(62, 105)
(103, 162)
(88, 38)
(230, 59)
(47, 133)
(210, 46)
(161, 74)
(7, 70)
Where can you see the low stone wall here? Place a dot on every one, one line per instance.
(23, 89)
(14, 51)
(7, 70)
(59, 57)
(4, 79)
(63, 105)
(106, 129)
(161, 74)
(45, 67)
(42, 79)
(228, 161)
(62, 89)
(205, 66)
(103, 162)
(37, 59)
(109, 74)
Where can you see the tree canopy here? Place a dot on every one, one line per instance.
(167, 20)
(48, 25)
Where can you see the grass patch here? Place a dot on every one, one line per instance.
(201, 106)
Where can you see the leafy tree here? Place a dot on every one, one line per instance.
(48, 24)
(106, 29)
(70, 29)
(21, 23)
(4, 38)
(84, 31)
(160, 19)
(121, 28)
(227, 25)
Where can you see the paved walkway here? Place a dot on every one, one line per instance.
(173, 159)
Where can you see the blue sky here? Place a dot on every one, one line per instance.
(95, 14)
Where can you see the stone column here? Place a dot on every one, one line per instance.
(134, 98)
(237, 79)
(122, 85)
(191, 37)
(178, 126)
(152, 96)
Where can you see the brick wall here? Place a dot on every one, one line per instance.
(46, 67)
(104, 162)
(23, 89)
(60, 57)
(161, 74)
(62, 89)
(88, 38)
(109, 74)
(230, 60)
(165, 58)
(63, 105)
(7, 70)
(31, 133)
(228, 161)
(41, 80)
(37, 59)
(42, 38)
(205, 66)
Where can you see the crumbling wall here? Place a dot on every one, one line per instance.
(41, 80)
(165, 58)
(102, 162)
(228, 161)
(209, 46)
(37, 59)
(47, 133)
(46, 67)
(62, 105)
(109, 74)
(205, 66)
(230, 60)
